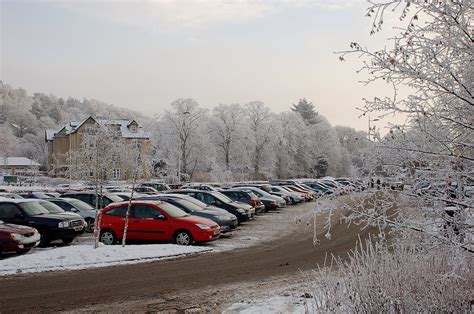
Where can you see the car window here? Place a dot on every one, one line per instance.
(33, 208)
(8, 211)
(120, 211)
(144, 211)
(81, 205)
(52, 208)
(244, 195)
(111, 199)
(188, 205)
(65, 206)
(221, 197)
(172, 210)
(206, 198)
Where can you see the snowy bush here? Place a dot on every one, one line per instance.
(399, 278)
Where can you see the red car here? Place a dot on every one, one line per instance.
(155, 221)
(17, 239)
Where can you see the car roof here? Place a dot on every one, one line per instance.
(17, 200)
(192, 190)
(135, 202)
(67, 199)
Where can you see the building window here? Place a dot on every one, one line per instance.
(116, 173)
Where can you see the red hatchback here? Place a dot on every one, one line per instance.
(155, 221)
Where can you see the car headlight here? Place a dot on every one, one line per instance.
(240, 210)
(203, 226)
(63, 224)
(16, 236)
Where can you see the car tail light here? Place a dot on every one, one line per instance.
(253, 202)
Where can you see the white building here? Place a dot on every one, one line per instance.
(11, 166)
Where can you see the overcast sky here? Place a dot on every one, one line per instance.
(144, 54)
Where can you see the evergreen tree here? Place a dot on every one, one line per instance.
(306, 110)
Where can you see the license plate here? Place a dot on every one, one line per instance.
(217, 232)
(79, 228)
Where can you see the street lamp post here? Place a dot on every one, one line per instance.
(373, 120)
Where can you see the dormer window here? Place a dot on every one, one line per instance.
(133, 128)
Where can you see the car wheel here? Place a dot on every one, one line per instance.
(107, 237)
(90, 225)
(183, 238)
(45, 239)
(67, 240)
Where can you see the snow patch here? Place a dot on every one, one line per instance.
(85, 256)
(276, 304)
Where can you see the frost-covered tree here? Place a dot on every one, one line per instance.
(93, 161)
(259, 120)
(186, 119)
(225, 129)
(432, 59)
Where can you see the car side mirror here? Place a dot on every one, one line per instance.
(74, 210)
(160, 217)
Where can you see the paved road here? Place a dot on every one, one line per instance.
(98, 288)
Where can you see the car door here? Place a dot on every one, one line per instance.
(148, 223)
(10, 213)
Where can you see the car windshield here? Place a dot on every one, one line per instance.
(52, 208)
(81, 205)
(195, 201)
(172, 210)
(33, 208)
(114, 198)
(190, 206)
(221, 197)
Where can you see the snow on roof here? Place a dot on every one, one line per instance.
(50, 133)
(73, 126)
(17, 161)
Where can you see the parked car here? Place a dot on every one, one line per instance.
(290, 197)
(191, 200)
(10, 195)
(243, 211)
(126, 196)
(224, 219)
(320, 188)
(50, 226)
(155, 221)
(271, 202)
(198, 186)
(159, 186)
(118, 190)
(308, 196)
(17, 238)
(262, 186)
(146, 190)
(79, 207)
(90, 198)
(245, 196)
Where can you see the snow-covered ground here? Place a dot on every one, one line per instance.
(275, 304)
(80, 254)
(85, 256)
